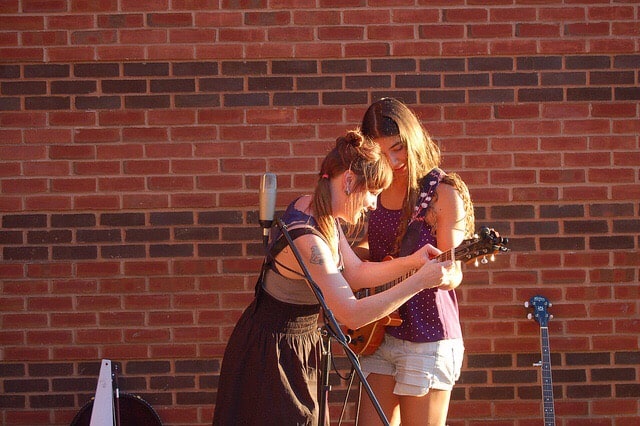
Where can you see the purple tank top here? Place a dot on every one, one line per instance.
(432, 314)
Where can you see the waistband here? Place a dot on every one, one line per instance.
(285, 317)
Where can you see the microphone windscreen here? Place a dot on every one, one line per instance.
(268, 188)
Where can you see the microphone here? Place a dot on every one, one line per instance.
(268, 186)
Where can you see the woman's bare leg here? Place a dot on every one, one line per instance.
(428, 410)
(382, 386)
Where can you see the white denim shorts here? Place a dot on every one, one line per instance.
(417, 367)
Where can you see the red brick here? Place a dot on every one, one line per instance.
(615, 407)
(96, 303)
(190, 200)
(194, 166)
(98, 269)
(107, 53)
(97, 202)
(147, 335)
(626, 192)
(99, 336)
(225, 51)
(146, 167)
(53, 337)
(170, 183)
(285, 34)
(29, 22)
(145, 134)
(620, 343)
(121, 319)
(144, 201)
(120, 151)
(124, 118)
(96, 168)
(195, 334)
(22, 152)
(18, 321)
(125, 351)
(73, 320)
(71, 54)
(171, 318)
(150, 302)
(146, 268)
(217, 19)
(180, 36)
(75, 352)
(174, 351)
(130, 5)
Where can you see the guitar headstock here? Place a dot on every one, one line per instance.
(485, 244)
(540, 313)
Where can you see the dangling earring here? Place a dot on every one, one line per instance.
(347, 183)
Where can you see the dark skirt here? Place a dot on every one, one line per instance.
(271, 366)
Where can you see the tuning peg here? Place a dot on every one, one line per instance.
(526, 304)
(476, 263)
(529, 316)
(550, 304)
(551, 316)
(492, 257)
(484, 260)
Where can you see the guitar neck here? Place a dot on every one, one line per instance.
(486, 244)
(447, 255)
(547, 384)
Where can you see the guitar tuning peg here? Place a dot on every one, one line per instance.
(492, 258)
(550, 316)
(484, 260)
(476, 263)
(550, 304)
(526, 304)
(529, 316)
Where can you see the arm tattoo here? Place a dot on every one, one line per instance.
(316, 256)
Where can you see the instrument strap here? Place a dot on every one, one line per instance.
(427, 188)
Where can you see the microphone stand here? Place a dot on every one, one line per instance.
(334, 331)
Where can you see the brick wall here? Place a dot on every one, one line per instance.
(133, 136)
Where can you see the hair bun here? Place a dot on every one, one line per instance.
(354, 138)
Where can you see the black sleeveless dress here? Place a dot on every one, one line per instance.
(271, 366)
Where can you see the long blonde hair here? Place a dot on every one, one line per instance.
(390, 117)
(371, 172)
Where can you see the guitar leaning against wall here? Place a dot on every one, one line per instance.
(365, 340)
(541, 315)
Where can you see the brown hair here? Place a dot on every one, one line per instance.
(390, 117)
(370, 169)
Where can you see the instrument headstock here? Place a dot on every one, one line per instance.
(487, 243)
(540, 313)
